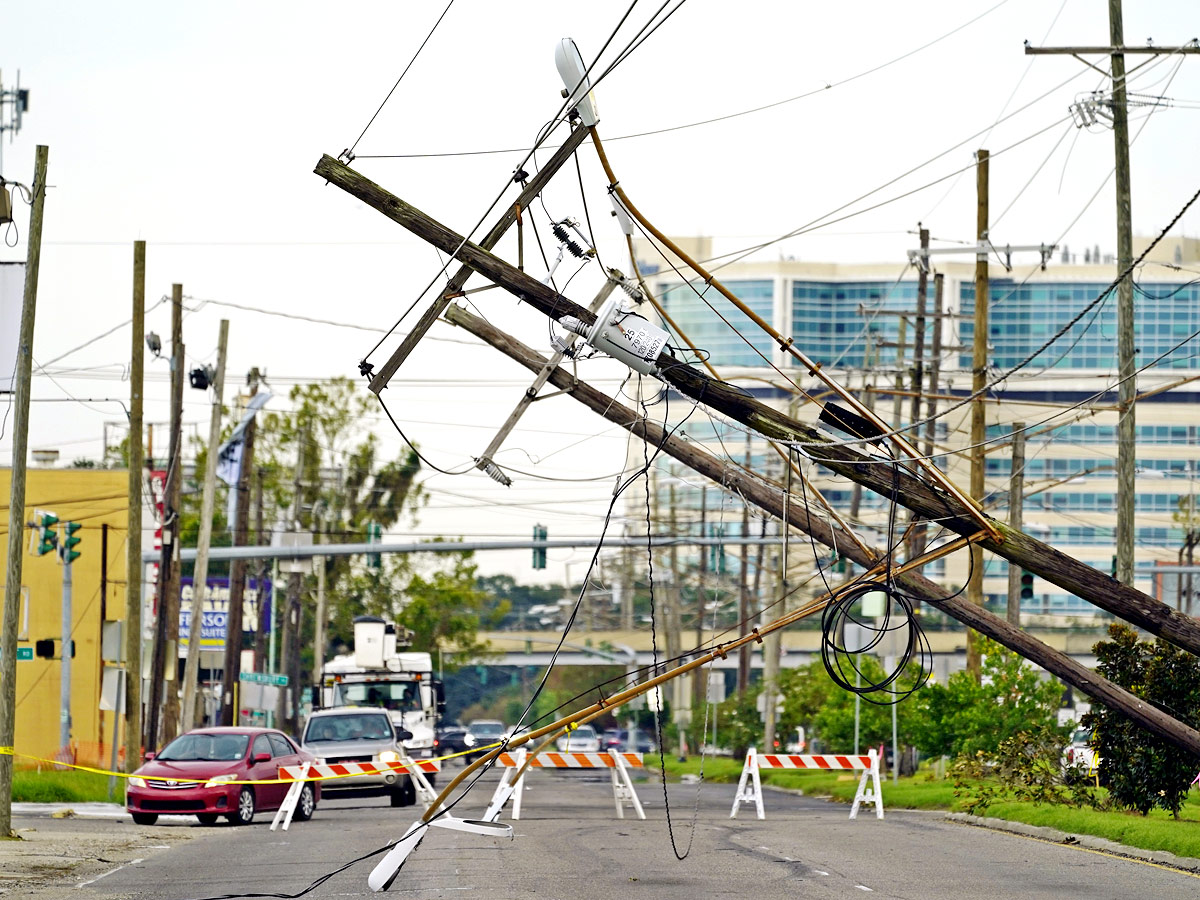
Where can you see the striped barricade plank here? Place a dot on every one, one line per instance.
(823, 761)
(555, 760)
(343, 770)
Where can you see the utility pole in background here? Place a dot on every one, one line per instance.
(289, 621)
(1016, 508)
(237, 572)
(133, 541)
(743, 670)
(16, 504)
(1126, 361)
(191, 668)
(1126, 358)
(916, 544)
(979, 362)
(168, 603)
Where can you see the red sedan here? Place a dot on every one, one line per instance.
(198, 774)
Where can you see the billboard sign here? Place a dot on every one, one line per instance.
(215, 613)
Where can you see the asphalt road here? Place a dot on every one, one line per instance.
(569, 844)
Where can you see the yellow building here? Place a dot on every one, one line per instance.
(98, 500)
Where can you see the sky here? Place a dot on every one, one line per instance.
(195, 127)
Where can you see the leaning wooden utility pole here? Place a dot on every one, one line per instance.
(929, 498)
(16, 502)
(979, 364)
(169, 601)
(1016, 507)
(191, 668)
(237, 571)
(133, 533)
(289, 620)
(773, 499)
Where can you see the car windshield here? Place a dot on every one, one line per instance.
(585, 732)
(488, 729)
(1082, 736)
(361, 727)
(212, 747)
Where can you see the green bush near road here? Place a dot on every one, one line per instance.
(1158, 831)
(31, 786)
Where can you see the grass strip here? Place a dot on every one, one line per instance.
(1157, 831)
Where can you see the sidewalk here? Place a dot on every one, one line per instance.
(65, 846)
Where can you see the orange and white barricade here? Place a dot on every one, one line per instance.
(749, 789)
(299, 775)
(512, 785)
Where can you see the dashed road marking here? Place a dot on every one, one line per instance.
(863, 887)
(133, 862)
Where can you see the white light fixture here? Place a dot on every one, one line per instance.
(573, 72)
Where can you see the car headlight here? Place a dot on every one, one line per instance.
(134, 781)
(220, 779)
(468, 740)
(389, 756)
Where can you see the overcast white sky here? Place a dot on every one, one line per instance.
(196, 127)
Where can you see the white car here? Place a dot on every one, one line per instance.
(1080, 754)
(582, 740)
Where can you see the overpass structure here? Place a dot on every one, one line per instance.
(633, 649)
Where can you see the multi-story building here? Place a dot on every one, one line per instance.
(859, 322)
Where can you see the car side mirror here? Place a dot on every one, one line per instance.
(403, 734)
(262, 757)
(149, 755)
(439, 692)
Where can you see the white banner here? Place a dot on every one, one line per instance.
(12, 292)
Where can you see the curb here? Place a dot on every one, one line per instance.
(1162, 857)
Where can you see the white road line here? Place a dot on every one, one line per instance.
(819, 872)
(109, 872)
(863, 887)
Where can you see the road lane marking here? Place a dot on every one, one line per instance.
(109, 872)
(863, 887)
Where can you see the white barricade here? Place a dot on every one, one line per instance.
(512, 786)
(309, 772)
(749, 789)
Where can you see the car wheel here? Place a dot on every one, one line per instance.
(144, 818)
(306, 805)
(244, 813)
(207, 818)
(404, 793)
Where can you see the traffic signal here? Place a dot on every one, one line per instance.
(44, 648)
(49, 538)
(1114, 566)
(539, 553)
(1026, 586)
(69, 553)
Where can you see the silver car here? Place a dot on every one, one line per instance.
(359, 735)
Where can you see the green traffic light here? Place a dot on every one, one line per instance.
(49, 536)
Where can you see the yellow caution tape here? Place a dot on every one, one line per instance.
(8, 751)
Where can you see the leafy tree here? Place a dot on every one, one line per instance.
(1144, 770)
(345, 483)
(963, 717)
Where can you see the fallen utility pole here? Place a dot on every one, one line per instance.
(875, 472)
(772, 498)
(512, 214)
